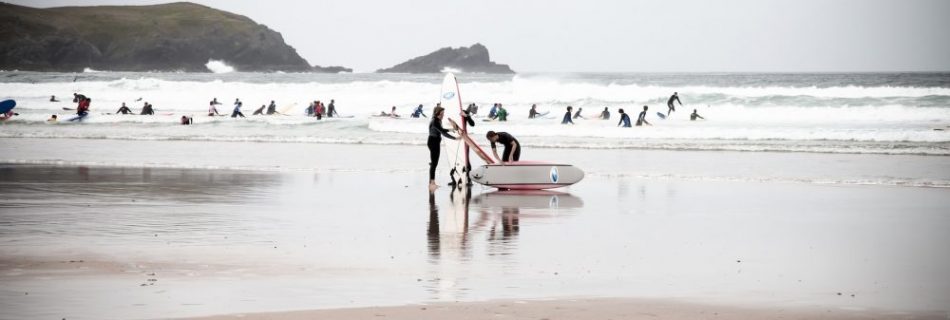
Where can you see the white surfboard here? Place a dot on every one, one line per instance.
(542, 199)
(455, 150)
(527, 175)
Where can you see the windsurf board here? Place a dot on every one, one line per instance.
(527, 175)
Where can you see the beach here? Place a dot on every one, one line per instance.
(99, 228)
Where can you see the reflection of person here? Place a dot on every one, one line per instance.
(436, 132)
(512, 147)
(432, 232)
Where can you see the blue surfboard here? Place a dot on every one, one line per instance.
(7, 105)
(661, 115)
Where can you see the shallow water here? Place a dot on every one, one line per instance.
(221, 241)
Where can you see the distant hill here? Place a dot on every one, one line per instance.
(471, 59)
(169, 37)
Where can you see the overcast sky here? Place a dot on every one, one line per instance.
(614, 35)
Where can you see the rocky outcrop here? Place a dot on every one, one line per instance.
(471, 59)
(331, 69)
(169, 37)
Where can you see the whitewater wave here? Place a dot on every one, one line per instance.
(219, 66)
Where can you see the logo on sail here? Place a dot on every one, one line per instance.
(554, 175)
(448, 95)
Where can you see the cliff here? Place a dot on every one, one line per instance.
(471, 59)
(169, 37)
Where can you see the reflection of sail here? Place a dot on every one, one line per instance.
(447, 235)
(528, 199)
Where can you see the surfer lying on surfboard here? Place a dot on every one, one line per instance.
(512, 146)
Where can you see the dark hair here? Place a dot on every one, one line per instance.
(490, 134)
(645, 107)
(436, 111)
(621, 110)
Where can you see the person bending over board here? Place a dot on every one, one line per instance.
(605, 115)
(624, 119)
(418, 112)
(669, 103)
(643, 117)
(512, 146)
(695, 115)
(567, 116)
(436, 131)
(493, 113)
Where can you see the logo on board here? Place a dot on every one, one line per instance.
(554, 175)
(448, 95)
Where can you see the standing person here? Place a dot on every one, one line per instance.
(436, 132)
(502, 113)
(643, 117)
(512, 147)
(82, 110)
(393, 113)
(577, 115)
(123, 109)
(695, 115)
(331, 109)
(567, 116)
(624, 119)
(272, 108)
(319, 110)
(605, 115)
(237, 109)
(669, 103)
(147, 109)
(212, 110)
(53, 99)
(533, 113)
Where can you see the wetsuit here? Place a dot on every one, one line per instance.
(493, 112)
(625, 120)
(567, 118)
(258, 111)
(418, 112)
(147, 110)
(331, 110)
(642, 118)
(124, 110)
(532, 114)
(509, 142)
(605, 115)
(436, 131)
(669, 103)
(578, 114)
(272, 108)
(237, 110)
(472, 109)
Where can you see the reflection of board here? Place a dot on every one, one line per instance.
(455, 150)
(661, 115)
(526, 175)
(472, 145)
(7, 105)
(528, 199)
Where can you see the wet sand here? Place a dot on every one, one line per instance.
(94, 242)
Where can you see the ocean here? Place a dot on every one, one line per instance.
(874, 113)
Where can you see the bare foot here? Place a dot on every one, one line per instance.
(433, 186)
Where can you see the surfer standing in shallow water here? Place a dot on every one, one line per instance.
(436, 131)
(512, 146)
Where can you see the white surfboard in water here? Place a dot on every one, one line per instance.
(455, 150)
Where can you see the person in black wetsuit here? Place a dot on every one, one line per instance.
(695, 115)
(643, 117)
(331, 109)
(123, 109)
(512, 146)
(577, 115)
(568, 116)
(436, 132)
(605, 115)
(669, 103)
(259, 110)
(533, 112)
(624, 119)
(147, 109)
(272, 108)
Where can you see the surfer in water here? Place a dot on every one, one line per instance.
(259, 110)
(436, 132)
(534, 112)
(624, 119)
(52, 119)
(123, 109)
(493, 113)
(694, 115)
(82, 110)
(237, 109)
(512, 146)
(147, 109)
(272, 108)
(577, 115)
(331, 109)
(669, 103)
(605, 115)
(643, 117)
(186, 120)
(53, 99)
(568, 116)
(502, 114)
(212, 111)
(472, 110)
(418, 112)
